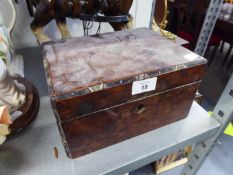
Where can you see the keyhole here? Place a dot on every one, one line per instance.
(140, 108)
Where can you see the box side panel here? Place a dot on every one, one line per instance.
(82, 105)
(119, 123)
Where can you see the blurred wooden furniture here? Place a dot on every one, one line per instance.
(224, 27)
(173, 8)
(160, 19)
(190, 18)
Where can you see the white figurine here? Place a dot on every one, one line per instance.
(14, 62)
(12, 94)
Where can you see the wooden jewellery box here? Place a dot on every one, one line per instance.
(111, 87)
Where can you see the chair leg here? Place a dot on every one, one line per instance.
(227, 54)
(222, 46)
(212, 55)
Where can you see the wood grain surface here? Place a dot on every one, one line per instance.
(91, 120)
(110, 126)
(81, 105)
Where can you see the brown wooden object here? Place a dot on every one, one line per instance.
(44, 11)
(90, 82)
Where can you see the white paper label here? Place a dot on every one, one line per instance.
(144, 86)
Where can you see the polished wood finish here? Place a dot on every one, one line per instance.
(81, 105)
(111, 126)
(91, 120)
(46, 11)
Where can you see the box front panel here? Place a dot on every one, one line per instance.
(107, 127)
(82, 105)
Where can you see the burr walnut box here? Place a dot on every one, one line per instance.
(111, 87)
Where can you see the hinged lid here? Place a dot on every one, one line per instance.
(82, 65)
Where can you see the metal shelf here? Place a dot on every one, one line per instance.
(31, 153)
(223, 112)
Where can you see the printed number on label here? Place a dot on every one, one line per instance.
(144, 86)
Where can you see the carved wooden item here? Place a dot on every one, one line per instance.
(90, 82)
(47, 10)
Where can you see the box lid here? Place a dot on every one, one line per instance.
(82, 65)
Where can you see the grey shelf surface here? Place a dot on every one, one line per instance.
(32, 152)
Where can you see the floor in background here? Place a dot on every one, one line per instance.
(215, 79)
(219, 161)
